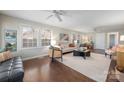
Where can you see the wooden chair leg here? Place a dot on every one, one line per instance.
(61, 56)
(52, 55)
(110, 56)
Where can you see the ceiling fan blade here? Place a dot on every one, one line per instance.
(58, 17)
(62, 12)
(49, 16)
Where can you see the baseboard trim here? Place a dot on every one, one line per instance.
(24, 59)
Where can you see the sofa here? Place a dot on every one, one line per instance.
(12, 70)
(67, 47)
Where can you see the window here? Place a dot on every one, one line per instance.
(45, 37)
(29, 37)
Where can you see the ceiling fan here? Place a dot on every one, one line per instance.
(57, 14)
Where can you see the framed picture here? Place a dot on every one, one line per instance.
(64, 37)
(11, 40)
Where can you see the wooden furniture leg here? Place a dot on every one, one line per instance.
(52, 55)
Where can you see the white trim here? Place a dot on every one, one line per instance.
(21, 27)
(35, 47)
(28, 58)
(116, 39)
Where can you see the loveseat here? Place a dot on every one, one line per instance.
(67, 47)
(12, 70)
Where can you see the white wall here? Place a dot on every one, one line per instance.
(111, 28)
(100, 41)
(16, 23)
(0, 38)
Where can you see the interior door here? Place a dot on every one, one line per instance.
(112, 40)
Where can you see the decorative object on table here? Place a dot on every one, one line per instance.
(82, 48)
(55, 52)
(88, 45)
(11, 40)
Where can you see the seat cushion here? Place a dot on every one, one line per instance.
(16, 74)
(12, 70)
(5, 68)
(69, 49)
(4, 76)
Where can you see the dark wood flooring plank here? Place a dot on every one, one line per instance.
(42, 70)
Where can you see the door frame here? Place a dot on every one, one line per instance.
(116, 38)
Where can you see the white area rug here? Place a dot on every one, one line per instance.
(95, 67)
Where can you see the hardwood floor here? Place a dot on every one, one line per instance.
(111, 77)
(99, 51)
(41, 69)
(111, 73)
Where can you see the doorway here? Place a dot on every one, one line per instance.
(112, 39)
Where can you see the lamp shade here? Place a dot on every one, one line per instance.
(122, 38)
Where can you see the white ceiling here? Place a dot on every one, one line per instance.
(80, 20)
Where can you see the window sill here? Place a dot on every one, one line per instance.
(35, 47)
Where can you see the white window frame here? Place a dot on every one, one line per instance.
(22, 37)
(40, 43)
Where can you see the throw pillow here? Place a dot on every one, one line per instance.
(1, 57)
(7, 55)
(71, 45)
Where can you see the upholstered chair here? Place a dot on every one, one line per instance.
(120, 59)
(55, 52)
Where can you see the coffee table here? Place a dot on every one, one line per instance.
(83, 53)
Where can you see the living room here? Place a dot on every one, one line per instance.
(31, 34)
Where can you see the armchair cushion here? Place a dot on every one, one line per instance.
(56, 53)
(5, 56)
(1, 57)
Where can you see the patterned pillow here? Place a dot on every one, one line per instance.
(7, 55)
(1, 57)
